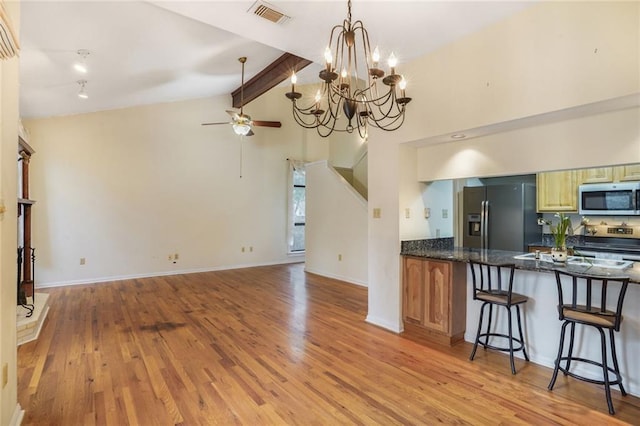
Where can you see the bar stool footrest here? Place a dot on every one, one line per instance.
(486, 344)
(616, 381)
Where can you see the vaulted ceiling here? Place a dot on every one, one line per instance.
(144, 52)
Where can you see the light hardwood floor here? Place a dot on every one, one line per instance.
(270, 345)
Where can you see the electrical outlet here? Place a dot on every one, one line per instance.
(5, 374)
(407, 213)
(445, 213)
(251, 249)
(83, 260)
(242, 249)
(427, 212)
(339, 258)
(175, 256)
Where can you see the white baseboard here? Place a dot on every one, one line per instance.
(292, 259)
(349, 280)
(379, 322)
(18, 415)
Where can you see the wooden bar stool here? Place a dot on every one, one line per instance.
(492, 285)
(594, 301)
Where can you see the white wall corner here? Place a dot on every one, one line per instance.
(336, 226)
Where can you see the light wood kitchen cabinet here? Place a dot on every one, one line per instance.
(413, 287)
(596, 175)
(434, 299)
(626, 173)
(557, 191)
(437, 276)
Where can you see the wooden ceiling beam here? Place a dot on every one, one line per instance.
(272, 75)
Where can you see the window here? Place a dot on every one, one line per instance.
(297, 195)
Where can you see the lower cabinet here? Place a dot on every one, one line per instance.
(434, 300)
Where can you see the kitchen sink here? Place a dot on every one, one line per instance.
(580, 260)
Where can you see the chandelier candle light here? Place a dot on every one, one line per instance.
(354, 90)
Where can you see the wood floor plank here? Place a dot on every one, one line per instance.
(270, 345)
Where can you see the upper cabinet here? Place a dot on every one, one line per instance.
(557, 191)
(596, 175)
(626, 173)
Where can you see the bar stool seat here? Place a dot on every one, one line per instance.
(493, 285)
(601, 300)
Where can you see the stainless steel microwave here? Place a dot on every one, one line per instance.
(620, 199)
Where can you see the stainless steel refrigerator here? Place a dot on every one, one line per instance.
(500, 217)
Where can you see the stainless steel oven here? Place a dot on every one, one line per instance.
(607, 241)
(619, 199)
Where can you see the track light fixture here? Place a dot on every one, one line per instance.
(353, 92)
(82, 94)
(81, 64)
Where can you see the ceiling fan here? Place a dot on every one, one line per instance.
(241, 122)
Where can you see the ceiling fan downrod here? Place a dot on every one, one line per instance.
(242, 60)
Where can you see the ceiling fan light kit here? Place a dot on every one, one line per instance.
(354, 92)
(241, 129)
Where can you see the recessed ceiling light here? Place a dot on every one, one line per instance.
(458, 136)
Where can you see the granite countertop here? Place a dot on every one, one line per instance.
(460, 254)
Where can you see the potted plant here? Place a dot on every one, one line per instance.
(559, 232)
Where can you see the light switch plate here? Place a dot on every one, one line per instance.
(376, 213)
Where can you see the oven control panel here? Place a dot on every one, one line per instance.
(620, 231)
(612, 231)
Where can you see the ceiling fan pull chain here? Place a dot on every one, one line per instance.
(241, 143)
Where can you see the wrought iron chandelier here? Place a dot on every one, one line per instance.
(354, 91)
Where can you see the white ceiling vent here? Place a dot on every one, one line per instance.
(268, 11)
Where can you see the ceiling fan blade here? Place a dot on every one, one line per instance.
(267, 123)
(213, 124)
(234, 114)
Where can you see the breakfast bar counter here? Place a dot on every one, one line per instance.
(535, 279)
(460, 254)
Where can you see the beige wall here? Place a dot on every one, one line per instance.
(8, 225)
(125, 189)
(550, 57)
(336, 230)
(596, 140)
